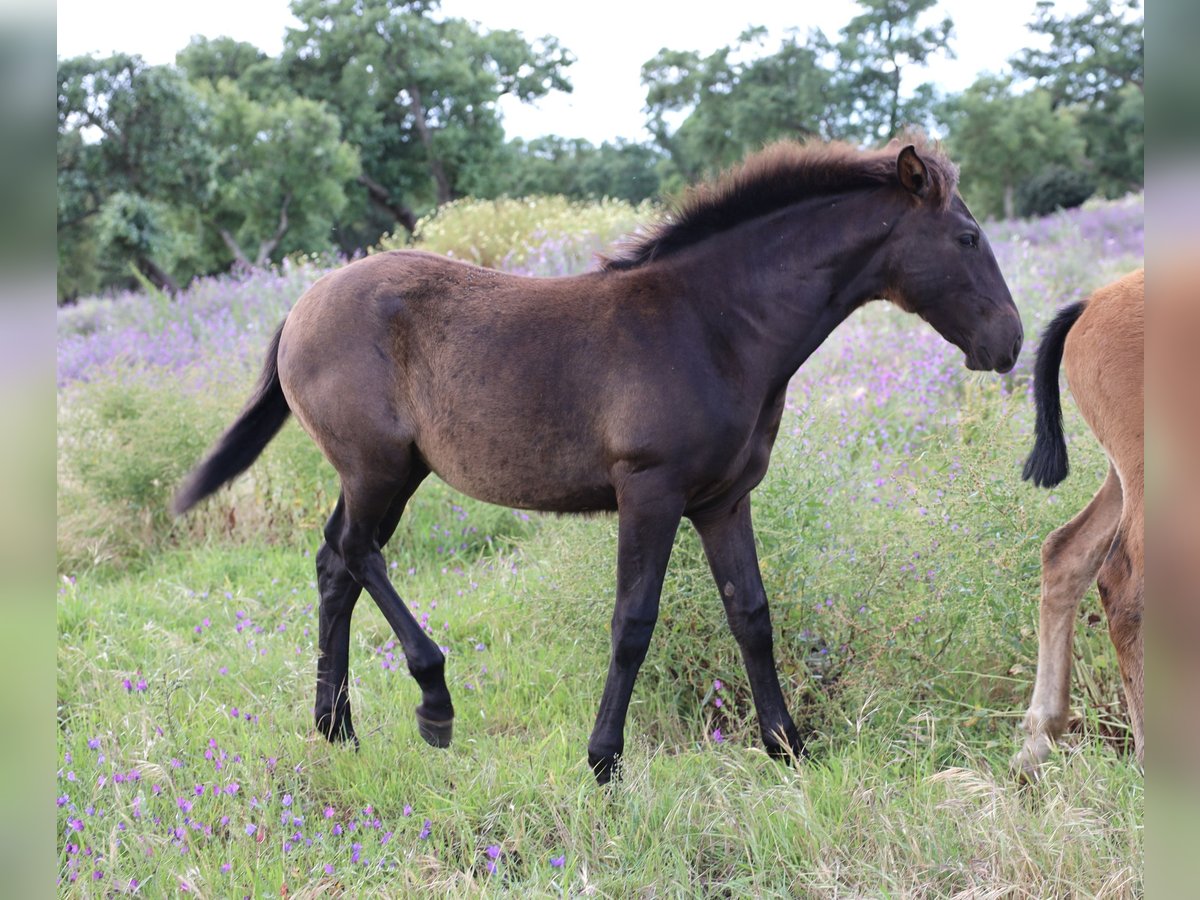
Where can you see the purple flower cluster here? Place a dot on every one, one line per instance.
(202, 801)
(215, 329)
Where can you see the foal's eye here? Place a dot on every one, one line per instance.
(969, 239)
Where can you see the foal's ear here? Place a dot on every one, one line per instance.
(910, 168)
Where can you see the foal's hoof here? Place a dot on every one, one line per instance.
(604, 767)
(785, 746)
(340, 733)
(1027, 763)
(436, 734)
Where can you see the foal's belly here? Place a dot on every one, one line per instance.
(540, 491)
(522, 473)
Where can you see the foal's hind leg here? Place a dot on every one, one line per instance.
(339, 592)
(728, 541)
(1071, 557)
(1122, 589)
(373, 502)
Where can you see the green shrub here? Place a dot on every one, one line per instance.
(1054, 188)
(125, 444)
(541, 235)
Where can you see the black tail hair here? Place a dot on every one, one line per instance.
(244, 440)
(1047, 463)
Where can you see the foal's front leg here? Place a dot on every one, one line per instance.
(728, 539)
(645, 533)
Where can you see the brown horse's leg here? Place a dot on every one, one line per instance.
(1122, 587)
(645, 532)
(1071, 557)
(370, 507)
(728, 541)
(339, 592)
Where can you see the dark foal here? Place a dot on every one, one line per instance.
(653, 387)
(1100, 344)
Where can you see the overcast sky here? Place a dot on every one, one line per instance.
(610, 41)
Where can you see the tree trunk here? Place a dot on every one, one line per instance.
(159, 278)
(267, 247)
(379, 195)
(239, 255)
(1008, 201)
(444, 194)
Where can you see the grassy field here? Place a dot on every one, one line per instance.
(899, 546)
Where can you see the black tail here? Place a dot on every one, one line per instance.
(1047, 463)
(244, 440)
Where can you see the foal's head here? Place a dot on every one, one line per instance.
(940, 266)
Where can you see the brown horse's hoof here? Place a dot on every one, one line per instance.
(605, 767)
(436, 734)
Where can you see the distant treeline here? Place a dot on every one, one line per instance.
(375, 114)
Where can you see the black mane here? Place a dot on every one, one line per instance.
(765, 182)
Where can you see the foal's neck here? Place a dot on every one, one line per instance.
(784, 281)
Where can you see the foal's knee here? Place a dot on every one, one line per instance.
(631, 638)
(751, 627)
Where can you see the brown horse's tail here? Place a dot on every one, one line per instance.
(244, 440)
(1047, 463)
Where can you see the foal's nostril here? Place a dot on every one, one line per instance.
(1016, 348)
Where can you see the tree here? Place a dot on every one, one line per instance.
(417, 95)
(1095, 64)
(281, 174)
(578, 169)
(131, 144)
(1001, 140)
(727, 108)
(878, 46)
(211, 60)
(1092, 55)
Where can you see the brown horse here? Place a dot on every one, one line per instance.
(653, 387)
(1100, 342)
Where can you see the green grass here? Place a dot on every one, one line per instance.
(907, 793)
(899, 548)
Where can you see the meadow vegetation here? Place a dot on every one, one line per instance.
(898, 545)
(527, 235)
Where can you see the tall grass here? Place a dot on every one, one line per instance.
(899, 547)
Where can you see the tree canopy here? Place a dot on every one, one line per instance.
(416, 94)
(375, 114)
